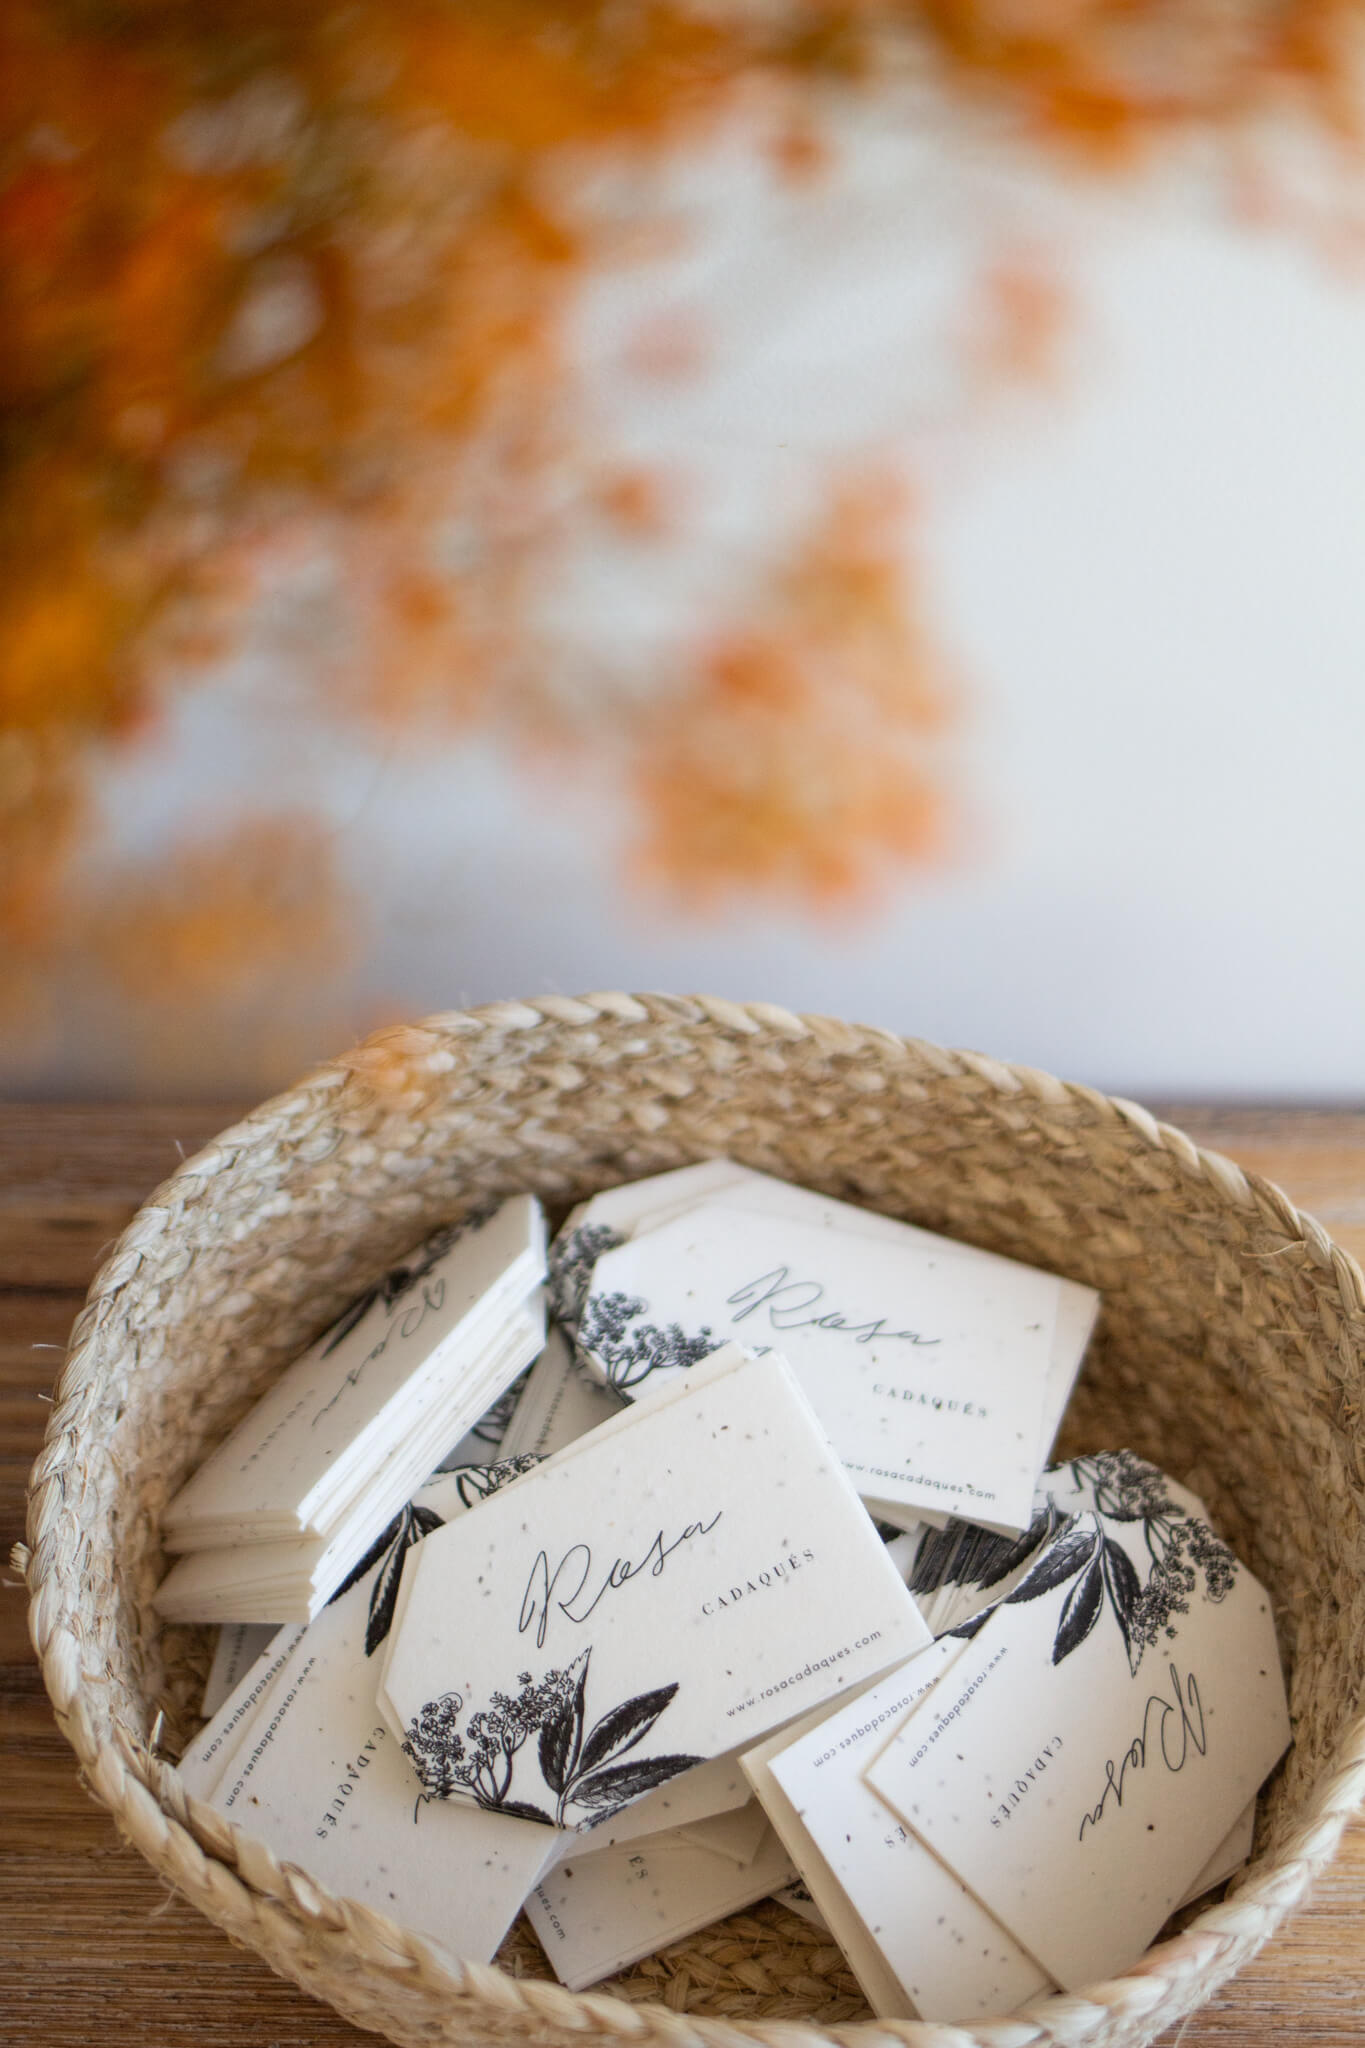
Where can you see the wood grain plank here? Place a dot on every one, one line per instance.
(91, 1945)
(71, 1177)
(106, 1954)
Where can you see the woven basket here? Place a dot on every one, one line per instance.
(1229, 1350)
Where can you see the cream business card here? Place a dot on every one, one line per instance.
(693, 1573)
(875, 1882)
(1097, 1739)
(931, 1385)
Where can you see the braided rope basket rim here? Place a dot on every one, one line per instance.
(383, 1976)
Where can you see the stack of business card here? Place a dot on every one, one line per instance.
(1022, 1805)
(693, 1572)
(275, 1519)
(484, 1441)
(300, 1757)
(939, 1372)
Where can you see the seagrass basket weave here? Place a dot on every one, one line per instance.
(1229, 1350)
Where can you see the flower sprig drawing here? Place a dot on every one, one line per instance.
(1185, 1558)
(628, 1355)
(572, 1257)
(575, 1766)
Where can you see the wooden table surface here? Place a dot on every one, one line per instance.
(92, 1945)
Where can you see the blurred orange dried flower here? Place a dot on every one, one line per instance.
(232, 914)
(266, 272)
(801, 765)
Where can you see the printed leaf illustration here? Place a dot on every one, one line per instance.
(997, 1564)
(370, 1559)
(414, 1524)
(409, 1526)
(1068, 1555)
(962, 1555)
(1185, 1554)
(1120, 1489)
(1080, 1610)
(480, 1759)
(620, 1782)
(624, 1726)
(522, 1809)
(561, 1735)
(1123, 1587)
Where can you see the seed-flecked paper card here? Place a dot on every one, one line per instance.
(931, 1383)
(871, 1878)
(629, 1212)
(596, 1913)
(322, 1781)
(620, 1213)
(1097, 1739)
(958, 1574)
(695, 1572)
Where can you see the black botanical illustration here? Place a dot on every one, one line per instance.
(961, 1554)
(572, 1257)
(474, 1483)
(402, 1278)
(1125, 1488)
(409, 1526)
(628, 1355)
(1098, 1572)
(577, 1766)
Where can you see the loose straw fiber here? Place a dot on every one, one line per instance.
(1229, 1350)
